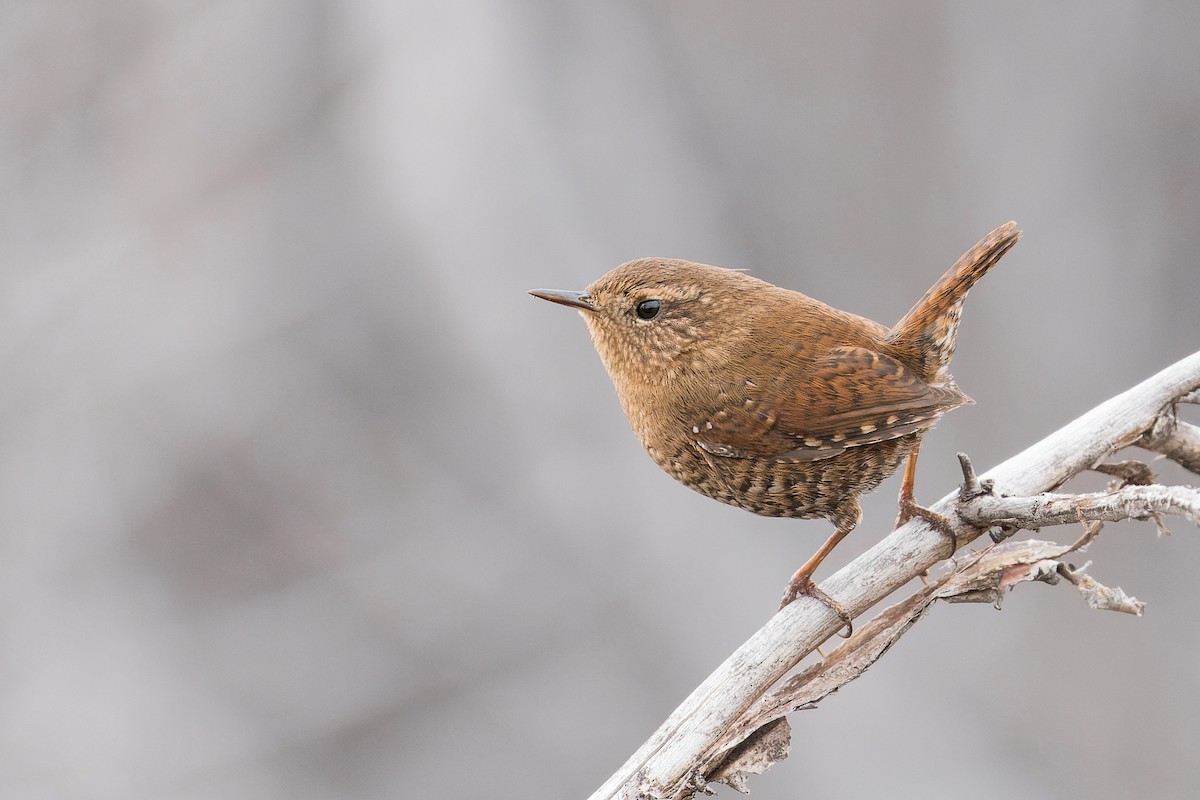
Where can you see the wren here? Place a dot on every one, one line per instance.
(768, 400)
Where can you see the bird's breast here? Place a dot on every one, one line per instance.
(771, 486)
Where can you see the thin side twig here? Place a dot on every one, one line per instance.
(1039, 511)
(1175, 439)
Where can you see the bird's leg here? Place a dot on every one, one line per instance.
(802, 583)
(910, 509)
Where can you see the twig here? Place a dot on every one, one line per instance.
(1101, 597)
(1130, 471)
(1175, 439)
(1039, 511)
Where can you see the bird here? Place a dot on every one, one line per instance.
(764, 398)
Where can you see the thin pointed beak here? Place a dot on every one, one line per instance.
(579, 300)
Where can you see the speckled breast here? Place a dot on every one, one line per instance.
(799, 489)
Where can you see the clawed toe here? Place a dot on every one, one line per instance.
(910, 509)
(803, 585)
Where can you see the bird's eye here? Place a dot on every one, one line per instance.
(648, 309)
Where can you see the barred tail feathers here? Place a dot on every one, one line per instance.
(926, 335)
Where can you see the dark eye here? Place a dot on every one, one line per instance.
(648, 309)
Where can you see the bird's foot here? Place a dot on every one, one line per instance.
(802, 585)
(909, 509)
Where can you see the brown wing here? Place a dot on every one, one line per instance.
(850, 397)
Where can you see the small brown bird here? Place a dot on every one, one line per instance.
(769, 400)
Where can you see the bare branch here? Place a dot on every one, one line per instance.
(1175, 439)
(1128, 471)
(983, 578)
(1040, 511)
(701, 738)
(1099, 596)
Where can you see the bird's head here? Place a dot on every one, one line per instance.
(655, 320)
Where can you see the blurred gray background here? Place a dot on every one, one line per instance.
(303, 497)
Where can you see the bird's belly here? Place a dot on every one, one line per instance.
(775, 488)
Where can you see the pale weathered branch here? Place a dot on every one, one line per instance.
(703, 738)
(1175, 439)
(1039, 511)
(983, 578)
